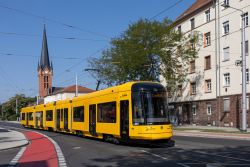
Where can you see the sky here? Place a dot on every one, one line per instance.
(77, 30)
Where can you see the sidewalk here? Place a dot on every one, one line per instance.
(11, 139)
(211, 132)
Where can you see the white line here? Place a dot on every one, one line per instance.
(155, 155)
(181, 164)
(201, 152)
(15, 160)
(62, 162)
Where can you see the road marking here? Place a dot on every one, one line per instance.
(61, 159)
(184, 165)
(75, 148)
(15, 160)
(156, 155)
(201, 152)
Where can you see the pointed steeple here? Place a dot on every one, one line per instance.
(44, 59)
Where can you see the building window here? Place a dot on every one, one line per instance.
(179, 29)
(209, 109)
(194, 109)
(246, 48)
(226, 105)
(208, 85)
(226, 53)
(207, 39)
(49, 115)
(192, 66)
(46, 82)
(245, 18)
(192, 22)
(207, 15)
(247, 75)
(193, 88)
(226, 27)
(78, 114)
(207, 62)
(226, 81)
(179, 90)
(226, 2)
(107, 112)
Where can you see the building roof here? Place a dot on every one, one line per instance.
(194, 8)
(44, 59)
(71, 89)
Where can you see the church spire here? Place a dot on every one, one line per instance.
(45, 69)
(44, 59)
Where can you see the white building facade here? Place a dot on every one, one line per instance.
(211, 94)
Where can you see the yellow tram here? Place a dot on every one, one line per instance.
(131, 111)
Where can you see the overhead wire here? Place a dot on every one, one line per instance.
(51, 36)
(54, 21)
(165, 10)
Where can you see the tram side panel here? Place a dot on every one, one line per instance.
(49, 116)
(107, 114)
(79, 117)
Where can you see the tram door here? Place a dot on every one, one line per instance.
(124, 119)
(37, 118)
(27, 119)
(92, 120)
(41, 119)
(58, 119)
(65, 118)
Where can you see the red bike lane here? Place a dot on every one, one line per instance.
(39, 153)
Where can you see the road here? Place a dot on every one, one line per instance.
(187, 152)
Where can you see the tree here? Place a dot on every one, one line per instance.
(145, 51)
(9, 107)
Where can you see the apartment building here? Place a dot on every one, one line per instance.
(212, 92)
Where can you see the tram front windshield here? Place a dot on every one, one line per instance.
(149, 105)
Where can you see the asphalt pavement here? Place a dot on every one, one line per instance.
(189, 151)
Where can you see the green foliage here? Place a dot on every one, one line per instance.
(9, 107)
(146, 50)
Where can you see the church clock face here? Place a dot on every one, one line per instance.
(46, 72)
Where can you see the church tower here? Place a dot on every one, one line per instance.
(45, 70)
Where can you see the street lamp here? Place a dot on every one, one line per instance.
(243, 66)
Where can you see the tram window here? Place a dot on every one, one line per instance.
(61, 114)
(30, 115)
(78, 113)
(23, 116)
(107, 112)
(49, 115)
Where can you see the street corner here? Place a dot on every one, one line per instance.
(11, 139)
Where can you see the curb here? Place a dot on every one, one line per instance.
(214, 136)
(25, 143)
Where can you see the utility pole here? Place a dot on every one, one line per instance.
(244, 113)
(76, 86)
(16, 109)
(2, 111)
(243, 67)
